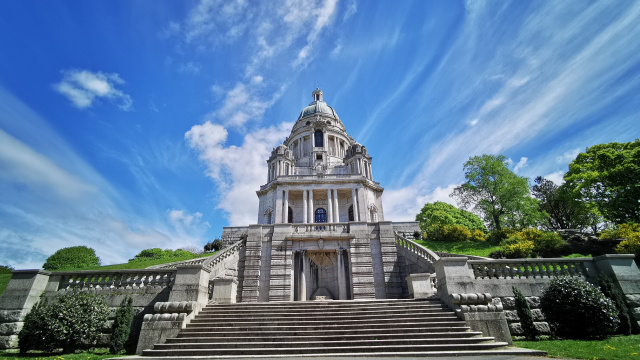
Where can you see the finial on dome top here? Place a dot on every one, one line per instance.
(317, 94)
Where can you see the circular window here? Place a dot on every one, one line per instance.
(328, 122)
(308, 122)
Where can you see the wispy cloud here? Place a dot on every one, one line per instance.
(520, 165)
(83, 88)
(189, 68)
(52, 198)
(237, 170)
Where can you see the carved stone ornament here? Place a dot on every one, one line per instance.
(321, 243)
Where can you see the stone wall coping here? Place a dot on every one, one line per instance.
(614, 256)
(529, 261)
(106, 272)
(34, 271)
(193, 266)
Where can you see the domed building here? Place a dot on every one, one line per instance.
(320, 232)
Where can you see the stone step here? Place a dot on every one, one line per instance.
(325, 332)
(262, 327)
(431, 316)
(317, 305)
(323, 343)
(324, 350)
(324, 312)
(208, 337)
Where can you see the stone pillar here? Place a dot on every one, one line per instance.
(335, 203)
(356, 213)
(624, 271)
(329, 207)
(362, 205)
(311, 217)
(305, 210)
(278, 210)
(361, 263)
(225, 291)
(191, 284)
(22, 293)
(342, 291)
(303, 276)
(285, 207)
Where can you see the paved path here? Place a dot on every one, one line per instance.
(478, 357)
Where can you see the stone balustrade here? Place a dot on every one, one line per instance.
(418, 249)
(212, 261)
(115, 279)
(528, 268)
(324, 227)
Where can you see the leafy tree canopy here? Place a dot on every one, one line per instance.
(440, 213)
(608, 175)
(501, 196)
(72, 258)
(565, 212)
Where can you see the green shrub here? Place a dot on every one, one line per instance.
(69, 321)
(417, 234)
(532, 242)
(72, 258)
(578, 310)
(525, 315)
(450, 233)
(516, 247)
(631, 245)
(613, 292)
(4, 269)
(155, 253)
(121, 326)
(497, 236)
(623, 231)
(478, 235)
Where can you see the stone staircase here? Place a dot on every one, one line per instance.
(329, 328)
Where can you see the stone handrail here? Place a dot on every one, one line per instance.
(470, 257)
(212, 261)
(114, 279)
(528, 268)
(416, 248)
(209, 261)
(315, 227)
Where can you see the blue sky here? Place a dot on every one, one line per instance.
(126, 125)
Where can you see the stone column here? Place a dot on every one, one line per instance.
(303, 276)
(305, 210)
(311, 218)
(335, 203)
(329, 207)
(342, 293)
(354, 200)
(285, 207)
(277, 217)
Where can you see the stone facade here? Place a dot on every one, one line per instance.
(320, 230)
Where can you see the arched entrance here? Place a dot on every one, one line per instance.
(321, 275)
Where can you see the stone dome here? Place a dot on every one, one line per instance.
(318, 107)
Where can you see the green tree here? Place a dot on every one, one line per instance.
(121, 326)
(564, 210)
(72, 258)
(502, 197)
(440, 213)
(608, 175)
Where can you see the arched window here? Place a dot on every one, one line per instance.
(351, 213)
(290, 215)
(321, 215)
(319, 138)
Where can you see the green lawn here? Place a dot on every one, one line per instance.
(477, 248)
(87, 355)
(4, 280)
(614, 348)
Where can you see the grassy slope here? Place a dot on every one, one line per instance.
(4, 280)
(477, 248)
(614, 348)
(141, 264)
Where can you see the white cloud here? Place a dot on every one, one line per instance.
(238, 171)
(521, 164)
(567, 156)
(83, 87)
(336, 50)
(352, 8)
(557, 177)
(404, 204)
(242, 104)
(180, 218)
(189, 68)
